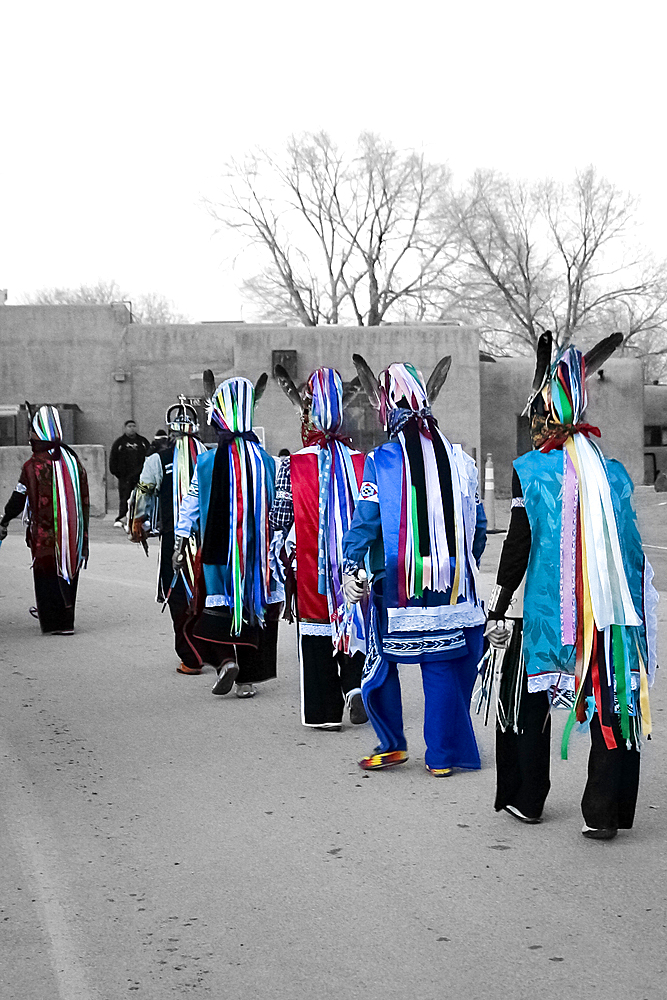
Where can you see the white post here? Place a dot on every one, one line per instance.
(489, 493)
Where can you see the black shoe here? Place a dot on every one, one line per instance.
(601, 834)
(357, 710)
(226, 677)
(513, 811)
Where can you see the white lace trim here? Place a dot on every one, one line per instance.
(217, 601)
(518, 502)
(563, 682)
(220, 601)
(20, 488)
(315, 628)
(448, 616)
(542, 682)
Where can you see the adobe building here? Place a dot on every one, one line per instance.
(103, 369)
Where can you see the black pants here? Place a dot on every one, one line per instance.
(125, 487)
(523, 758)
(522, 769)
(55, 599)
(326, 677)
(257, 652)
(610, 795)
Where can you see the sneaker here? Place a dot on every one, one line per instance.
(182, 668)
(118, 523)
(245, 691)
(592, 834)
(357, 711)
(513, 811)
(226, 676)
(377, 761)
(440, 772)
(62, 631)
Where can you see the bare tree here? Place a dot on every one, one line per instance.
(343, 238)
(151, 308)
(558, 257)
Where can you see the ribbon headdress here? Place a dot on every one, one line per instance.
(183, 424)
(67, 508)
(237, 527)
(434, 552)
(321, 404)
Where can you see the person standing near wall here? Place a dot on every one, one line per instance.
(316, 492)
(54, 484)
(421, 526)
(588, 628)
(233, 624)
(165, 480)
(126, 461)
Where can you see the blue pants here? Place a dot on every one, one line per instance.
(448, 683)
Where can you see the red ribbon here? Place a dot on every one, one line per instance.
(566, 431)
(312, 436)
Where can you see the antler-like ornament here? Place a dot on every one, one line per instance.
(602, 350)
(437, 378)
(287, 385)
(369, 383)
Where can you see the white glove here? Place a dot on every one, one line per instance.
(497, 633)
(355, 586)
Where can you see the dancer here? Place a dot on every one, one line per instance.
(234, 625)
(164, 482)
(316, 490)
(420, 521)
(588, 628)
(54, 484)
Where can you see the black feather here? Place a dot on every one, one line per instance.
(602, 350)
(287, 385)
(437, 378)
(350, 390)
(260, 386)
(369, 383)
(209, 383)
(542, 359)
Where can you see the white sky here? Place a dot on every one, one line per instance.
(117, 118)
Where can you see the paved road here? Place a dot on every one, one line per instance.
(159, 842)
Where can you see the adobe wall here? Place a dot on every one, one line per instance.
(166, 361)
(67, 354)
(113, 370)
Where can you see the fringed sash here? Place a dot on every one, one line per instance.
(432, 539)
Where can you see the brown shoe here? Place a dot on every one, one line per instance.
(183, 669)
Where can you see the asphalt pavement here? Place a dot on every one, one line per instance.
(158, 841)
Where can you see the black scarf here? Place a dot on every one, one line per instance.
(216, 543)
